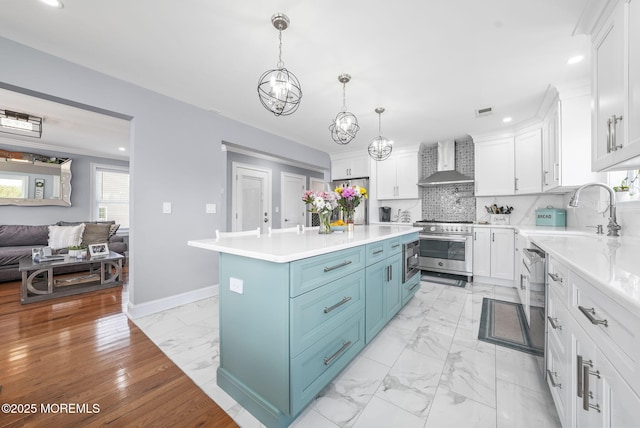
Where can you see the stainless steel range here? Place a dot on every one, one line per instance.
(446, 247)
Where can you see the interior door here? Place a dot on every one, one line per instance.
(251, 198)
(293, 209)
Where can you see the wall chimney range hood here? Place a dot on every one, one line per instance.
(446, 172)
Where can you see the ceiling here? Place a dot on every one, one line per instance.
(431, 64)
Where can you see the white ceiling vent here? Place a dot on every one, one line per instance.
(484, 112)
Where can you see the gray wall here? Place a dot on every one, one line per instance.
(169, 163)
(80, 208)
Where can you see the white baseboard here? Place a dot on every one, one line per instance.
(155, 306)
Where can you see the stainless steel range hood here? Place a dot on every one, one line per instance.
(446, 173)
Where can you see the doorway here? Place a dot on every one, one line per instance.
(250, 198)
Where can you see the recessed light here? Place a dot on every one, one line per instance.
(53, 3)
(575, 59)
(506, 120)
(122, 149)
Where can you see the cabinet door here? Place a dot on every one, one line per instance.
(340, 169)
(393, 286)
(386, 182)
(551, 150)
(633, 74)
(620, 404)
(482, 251)
(528, 162)
(608, 87)
(587, 389)
(359, 167)
(494, 167)
(375, 295)
(502, 249)
(407, 176)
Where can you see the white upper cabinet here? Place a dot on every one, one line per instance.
(616, 89)
(528, 162)
(397, 177)
(494, 167)
(566, 141)
(353, 165)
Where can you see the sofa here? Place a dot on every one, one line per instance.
(16, 241)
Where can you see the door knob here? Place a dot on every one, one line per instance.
(266, 220)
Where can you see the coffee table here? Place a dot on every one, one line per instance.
(40, 282)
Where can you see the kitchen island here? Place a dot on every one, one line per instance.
(295, 309)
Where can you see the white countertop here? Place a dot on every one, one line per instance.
(609, 263)
(287, 247)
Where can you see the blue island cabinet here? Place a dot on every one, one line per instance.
(287, 329)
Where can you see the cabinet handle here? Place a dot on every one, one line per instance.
(395, 246)
(493, 237)
(556, 277)
(390, 273)
(344, 300)
(556, 172)
(377, 252)
(521, 279)
(589, 313)
(554, 323)
(414, 286)
(475, 236)
(586, 405)
(579, 382)
(344, 263)
(544, 181)
(611, 133)
(329, 360)
(554, 383)
(516, 184)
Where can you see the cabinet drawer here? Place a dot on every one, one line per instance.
(410, 288)
(318, 312)
(376, 251)
(394, 246)
(559, 384)
(313, 272)
(613, 328)
(312, 370)
(558, 277)
(558, 324)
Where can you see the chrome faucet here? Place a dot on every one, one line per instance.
(612, 227)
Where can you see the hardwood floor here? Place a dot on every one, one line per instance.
(79, 361)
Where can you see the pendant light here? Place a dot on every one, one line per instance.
(279, 90)
(345, 126)
(380, 147)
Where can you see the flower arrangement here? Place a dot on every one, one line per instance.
(322, 203)
(349, 197)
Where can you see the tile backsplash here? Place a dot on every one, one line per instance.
(451, 202)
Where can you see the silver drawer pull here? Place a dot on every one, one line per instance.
(555, 277)
(344, 263)
(586, 395)
(554, 323)
(378, 252)
(551, 376)
(414, 286)
(589, 313)
(395, 246)
(329, 360)
(344, 300)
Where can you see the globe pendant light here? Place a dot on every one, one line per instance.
(345, 126)
(380, 147)
(279, 90)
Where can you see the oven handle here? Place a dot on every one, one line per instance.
(445, 238)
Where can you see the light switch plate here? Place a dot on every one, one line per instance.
(210, 208)
(166, 208)
(236, 285)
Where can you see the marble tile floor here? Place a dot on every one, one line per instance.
(425, 369)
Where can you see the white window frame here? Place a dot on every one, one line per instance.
(94, 209)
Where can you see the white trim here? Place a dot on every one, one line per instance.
(138, 311)
(234, 193)
(249, 152)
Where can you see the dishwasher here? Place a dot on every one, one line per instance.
(533, 283)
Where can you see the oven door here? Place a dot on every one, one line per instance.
(410, 257)
(446, 253)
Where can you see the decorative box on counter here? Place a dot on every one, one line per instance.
(555, 217)
(500, 219)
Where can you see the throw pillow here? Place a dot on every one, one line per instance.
(65, 236)
(113, 229)
(95, 233)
